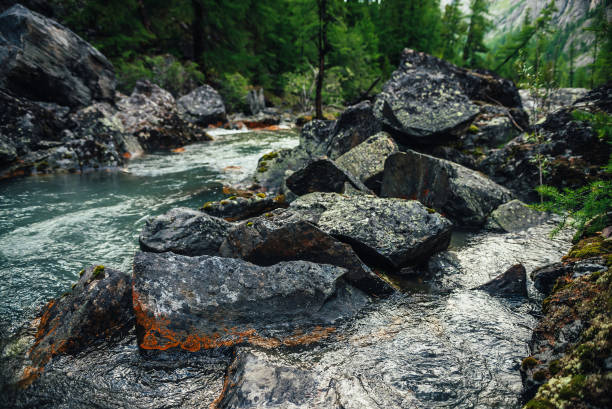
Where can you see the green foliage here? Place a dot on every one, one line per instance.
(234, 89)
(477, 28)
(589, 203)
(453, 32)
(164, 70)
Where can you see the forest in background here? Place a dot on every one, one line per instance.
(280, 44)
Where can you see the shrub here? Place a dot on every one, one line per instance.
(234, 89)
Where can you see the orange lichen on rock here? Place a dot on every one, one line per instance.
(157, 335)
(30, 374)
(127, 155)
(178, 150)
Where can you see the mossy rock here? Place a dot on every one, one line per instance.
(269, 156)
(98, 272)
(590, 247)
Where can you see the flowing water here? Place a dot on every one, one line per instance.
(52, 226)
(441, 344)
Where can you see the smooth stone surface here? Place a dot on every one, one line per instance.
(515, 216)
(383, 231)
(202, 106)
(367, 160)
(463, 195)
(44, 61)
(284, 236)
(205, 302)
(184, 231)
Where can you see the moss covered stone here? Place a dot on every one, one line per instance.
(590, 247)
(98, 272)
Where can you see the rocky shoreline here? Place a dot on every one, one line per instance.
(328, 229)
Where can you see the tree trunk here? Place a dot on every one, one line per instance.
(144, 16)
(322, 48)
(197, 30)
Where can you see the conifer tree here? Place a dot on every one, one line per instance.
(453, 30)
(478, 26)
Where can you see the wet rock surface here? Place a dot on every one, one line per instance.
(284, 235)
(386, 232)
(515, 216)
(367, 160)
(184, 231)
(44, 61)
(194, 303)
(98, 309)
(202, 106)
(465, 196)
(512, 283)
(322, 175)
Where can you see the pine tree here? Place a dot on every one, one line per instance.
(453, 30)
(477, 28)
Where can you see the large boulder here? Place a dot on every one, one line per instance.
(323, 175)
(465, 196)
(38, 137)
(390, 233)
(151, 115)
(99, 308)
(204, 302)
(184, 231)
(428, 99)
(367, 160)
(42, 60)
(202, 106)
(284, 236)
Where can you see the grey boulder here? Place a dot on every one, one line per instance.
(284, 235)
(184, 231)
(388, 232)
(202, 106)
(367, 160)
(463, 195)
(44, 61)
(194, 303)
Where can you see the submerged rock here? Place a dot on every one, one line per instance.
(465, 196)
(202, 106)
(98, 308)
(386, 232)
(204, 302)
(44, 61)
(515, 216)
(284, 236)
(322, 175)
(367, 160)
(184, 231)
(258, 380)
(509, 284)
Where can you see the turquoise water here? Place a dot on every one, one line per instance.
(52, 226)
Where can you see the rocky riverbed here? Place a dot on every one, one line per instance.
(382, 259)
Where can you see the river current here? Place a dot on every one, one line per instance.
(438, 344)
